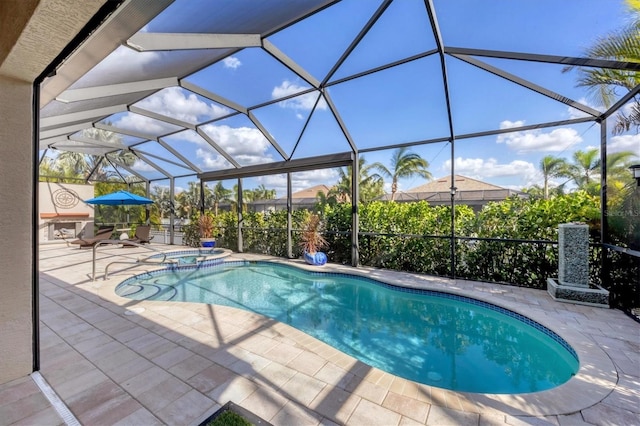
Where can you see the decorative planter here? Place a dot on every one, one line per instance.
(318, 258)
(208, 242)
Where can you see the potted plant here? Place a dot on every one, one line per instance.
(312, 241)
(207, 227)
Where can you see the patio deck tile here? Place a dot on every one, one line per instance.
(73, 386)
(610, 415)
(146, 380)
(367, 413)
(189, 367)
(121, 372)
(275, 375)
(406, 406)
(249, 364)
(336, 404)
(303, 388)
(307, 363)
(18, 398)
(492, 420)
(186, 409)
(48, 417)
(367, 390)
(210, 378)
(172, 357)
(163, 394)
(235, 389)
(293, 414)
(264, 403)
(292, 377)
(439, 416)
(141, 416)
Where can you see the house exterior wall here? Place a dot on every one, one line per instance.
(33, 33)
(16, 228)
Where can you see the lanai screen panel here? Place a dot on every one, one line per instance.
(183, 105)
(355, 76)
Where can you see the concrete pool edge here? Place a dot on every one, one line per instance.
(171, 256)
(596, 378)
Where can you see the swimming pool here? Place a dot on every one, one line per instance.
(192, 256)
(435, 338)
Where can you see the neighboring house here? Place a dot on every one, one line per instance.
(303, 199)
(471, 192)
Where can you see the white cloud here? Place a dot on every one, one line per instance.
(193, 137)
(506, 124)
(576, 113)
(244, 144)
(483, 169)
(303, 102)
(537, 140)
(211, 160)
(141, 166)
(231, 62)
(143, 124)
(121, 61)
(625, 143)
(177, 103)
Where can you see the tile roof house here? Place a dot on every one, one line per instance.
(472, 192)
(303, 199)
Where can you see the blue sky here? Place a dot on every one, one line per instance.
(398, 105)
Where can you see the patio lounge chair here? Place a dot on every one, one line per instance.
(141, 236)
(103, 233)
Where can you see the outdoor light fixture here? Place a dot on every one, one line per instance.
(635, 170)
(453, 188)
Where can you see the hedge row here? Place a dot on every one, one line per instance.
(512, 241)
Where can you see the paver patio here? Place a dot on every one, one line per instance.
(117, 361)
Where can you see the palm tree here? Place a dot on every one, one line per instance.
(621, 45)
(188, 200)
(404, 164)
(551, 167)
(220, 194)
(370, 185)
(324, 199)
(79, 165)
(262, 193)
(618, 165)
(248, 196)
(74, 163)
(585, 169)
(162, 206)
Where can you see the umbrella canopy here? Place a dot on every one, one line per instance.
(120, 198)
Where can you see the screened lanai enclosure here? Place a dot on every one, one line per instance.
(224, 105)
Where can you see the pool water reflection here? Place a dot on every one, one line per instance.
(433, 338)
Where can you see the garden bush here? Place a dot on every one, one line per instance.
(512, 241)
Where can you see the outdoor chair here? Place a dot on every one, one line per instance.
(103, 233)
(141, 236)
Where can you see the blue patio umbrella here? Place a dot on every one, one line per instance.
(120, 198)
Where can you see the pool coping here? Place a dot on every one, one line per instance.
(594, 381)
(191, 251)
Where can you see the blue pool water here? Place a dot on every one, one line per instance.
(191, 256)
(430, 337)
